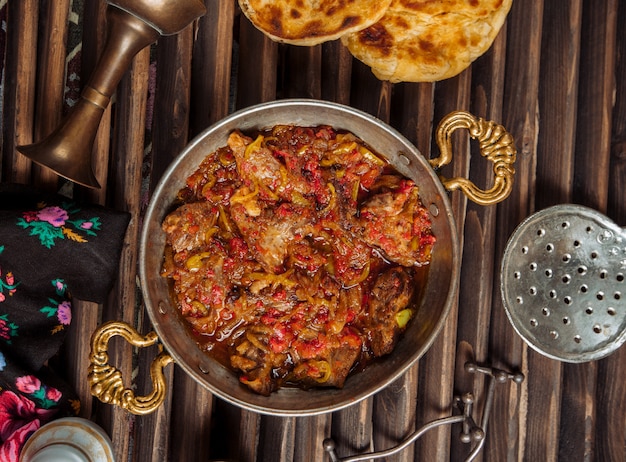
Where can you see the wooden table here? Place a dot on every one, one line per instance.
(555, 77)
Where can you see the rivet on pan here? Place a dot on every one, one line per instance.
(434, 210)
(162, 307)
(404, 159)
(204, 369)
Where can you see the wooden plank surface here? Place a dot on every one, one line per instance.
(555, 78)
(18, 96)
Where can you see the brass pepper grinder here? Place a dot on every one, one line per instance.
(132, 25)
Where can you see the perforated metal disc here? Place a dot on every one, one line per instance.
(563, 283)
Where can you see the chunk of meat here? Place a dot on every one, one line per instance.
(269, 231)
(390, 295)
(332, 364)
(397, 223)
(350, 254)
(304, 254)
(203, 288)
(261, 170)
(256, 164)
(251, 358)
(189, 226)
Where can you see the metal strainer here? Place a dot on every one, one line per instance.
(562, 283)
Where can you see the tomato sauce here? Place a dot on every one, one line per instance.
(296, 256)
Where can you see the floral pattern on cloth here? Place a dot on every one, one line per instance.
(60, 309)
(7, 282)
(25, 406)
(8, 329)
(52, 251)
(50, 223)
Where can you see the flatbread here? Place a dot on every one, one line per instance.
(310, 22)
(428, 40)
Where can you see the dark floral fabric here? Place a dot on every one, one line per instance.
(51, 250)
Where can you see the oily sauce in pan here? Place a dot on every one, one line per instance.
(295, 255)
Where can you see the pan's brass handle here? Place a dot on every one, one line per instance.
(106, 381)
(496, 144)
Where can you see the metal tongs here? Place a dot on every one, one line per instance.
(471, 432)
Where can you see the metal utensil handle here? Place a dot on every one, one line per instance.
(471, 433)
(106, 381)
(496, 144)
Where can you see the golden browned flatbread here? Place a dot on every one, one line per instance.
(428, 40)
(310, 22)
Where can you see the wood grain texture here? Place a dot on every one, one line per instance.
(256, 66)
(440, 361)
(596, 93)
(172, 97)
(352, 429)
(397, 399)
(300, 72)
(276, 439)
(510, 436)
(94, 39)
(606, 433)
(476, 290)
(336, 72)
(211, 66)
(309, 435)
(19, 90)
(558, 100)
(554, 78)
(85, 318)
(50, 79)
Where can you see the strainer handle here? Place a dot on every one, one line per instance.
(106, 381)
(496, 144)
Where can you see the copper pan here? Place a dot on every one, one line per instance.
(435, 302)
